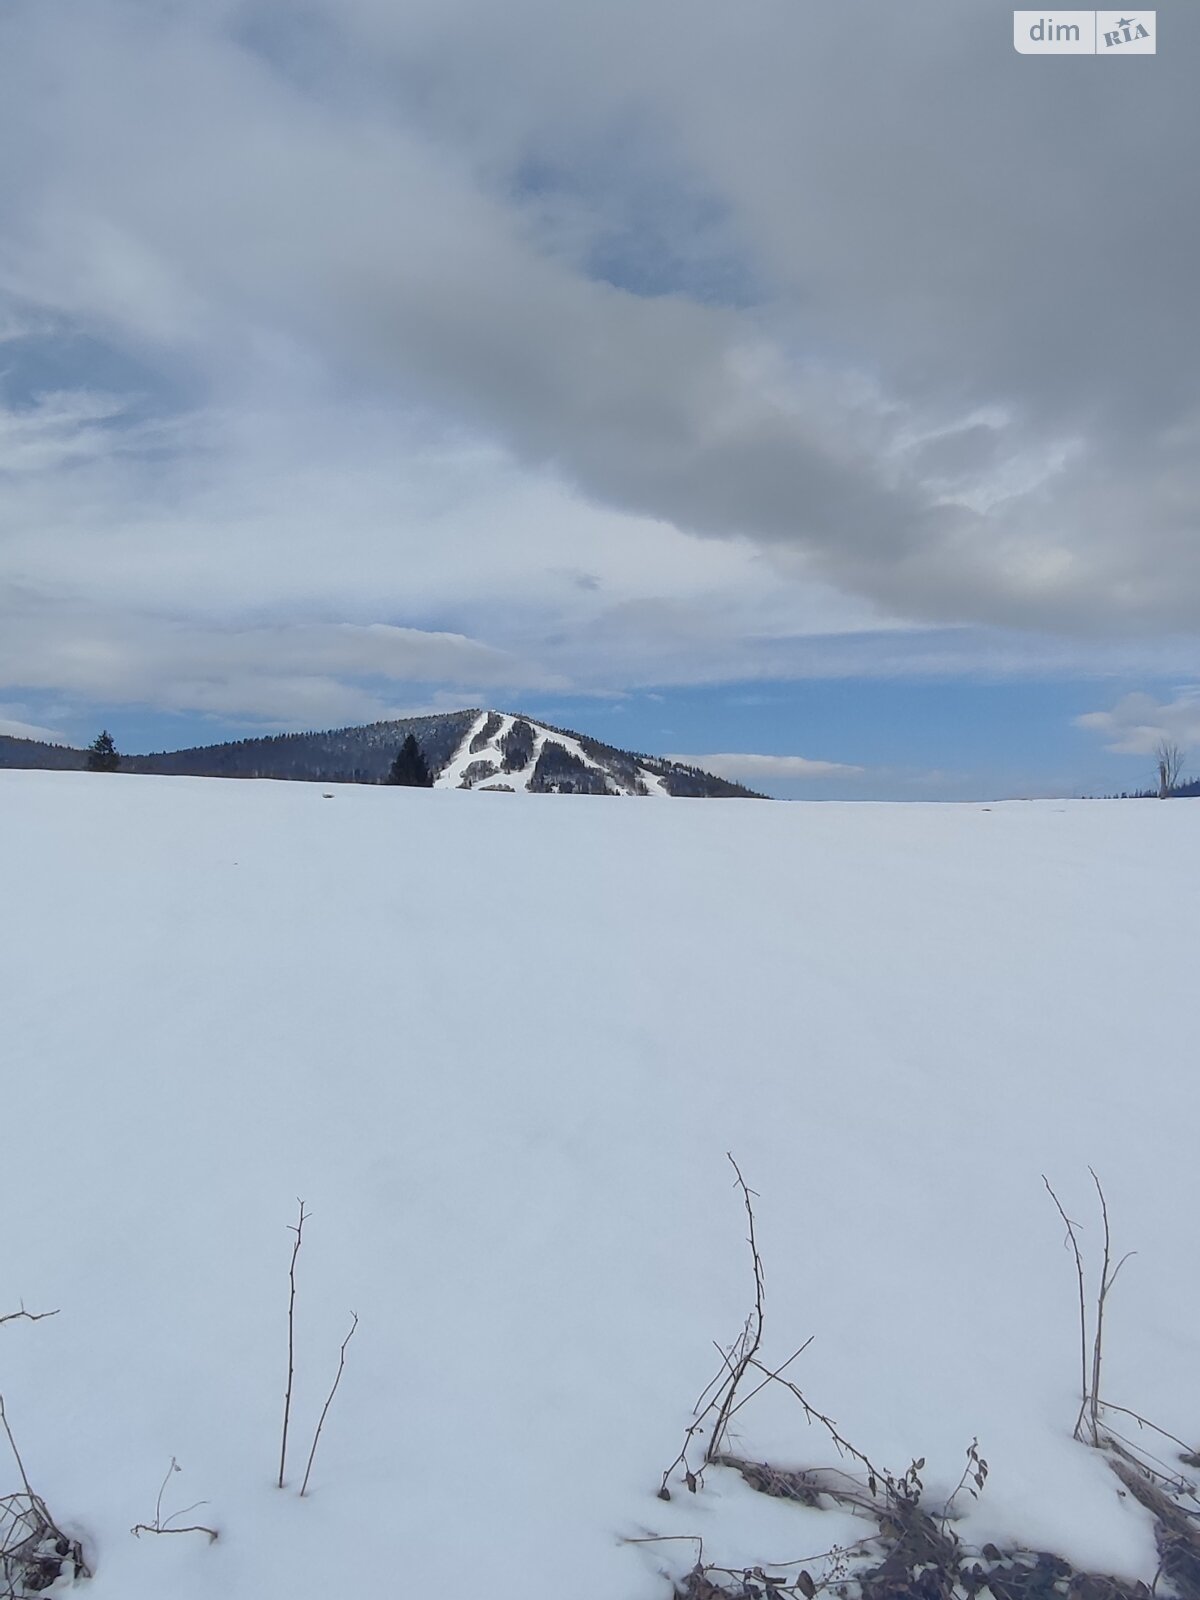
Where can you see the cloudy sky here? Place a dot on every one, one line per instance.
(811, 387)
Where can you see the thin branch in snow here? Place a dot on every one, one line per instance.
(159, 1526)
(720, 1395)
(696, 1426)
(1154, 1466)
(1107, 1279)
(29, 1316)
(750, 1345)
(1144, 1422)
(298, 1230)
(139, 1528)
(875, 1475)
(770, 1375)
(1090, 1403)
(328, 1402)
(665, 1538)
(1073, 1240)
(15, 1451)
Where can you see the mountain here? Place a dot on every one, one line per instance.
(473, 749)
(506, 752)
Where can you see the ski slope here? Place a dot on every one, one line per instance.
(484, 761)
(501, 1052)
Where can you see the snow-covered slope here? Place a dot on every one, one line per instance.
(501, 1052)
(505, 752)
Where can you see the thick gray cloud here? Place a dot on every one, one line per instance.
(898, 322)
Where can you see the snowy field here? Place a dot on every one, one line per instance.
(500, 1046)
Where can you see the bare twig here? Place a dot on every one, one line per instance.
(751, 1345)
(1107, 1280)
(735, 1362)
(29, 1316)
(771, 1375)
(15, 1451)
(727, 1365)
(298, 1230)
(1073, 1240)
(1090, 1401)
(874, 1475)
(159, 1526)
(1144, 1422)
(666, 1538)
(329, 1401)
(694, 1428)
(140, 1528)
(1165, 1472)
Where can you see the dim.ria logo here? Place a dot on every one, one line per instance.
(1125, 31)
(1084, 33)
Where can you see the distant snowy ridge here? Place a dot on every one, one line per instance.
(504, 752)
(469, 749)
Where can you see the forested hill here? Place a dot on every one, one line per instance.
(464, 749)
(338, 755)
(32, 753)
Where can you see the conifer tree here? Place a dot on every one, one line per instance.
(410, 767)
(102, 754)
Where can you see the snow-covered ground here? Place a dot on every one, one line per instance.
(501, 1050)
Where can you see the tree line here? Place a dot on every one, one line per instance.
(409, 770)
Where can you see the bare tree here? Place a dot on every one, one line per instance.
(1170, 764)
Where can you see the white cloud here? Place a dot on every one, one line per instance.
(297, 674)
(224, 524)
(16, 728)
(760, 769)
(1138, 722)
(441, 331)
(61, 430)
